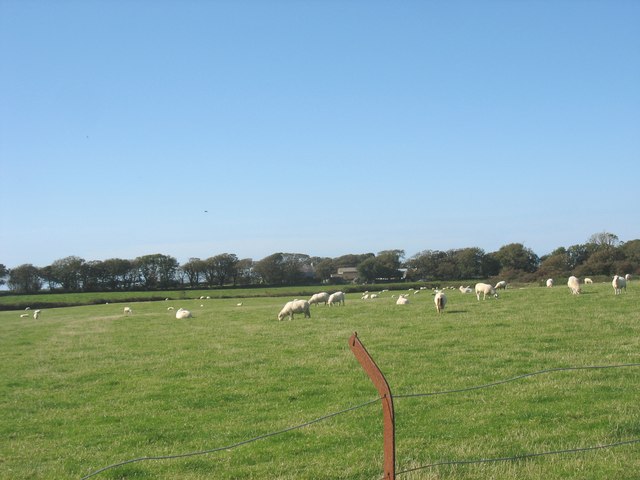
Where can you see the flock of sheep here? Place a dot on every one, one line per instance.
(439, 296)
(618, 283)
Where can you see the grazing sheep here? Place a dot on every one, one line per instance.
(337, 297)
(588, 281)
(36, 314)
(295, 306)
(618, 284)
(127, 311)
(501, 285)
(484, 289)
(322, 297)
(440, 300)
(574, 285)
(549, 282)
(627, 277)
(402, 300)
(182, 313)
(465, 289)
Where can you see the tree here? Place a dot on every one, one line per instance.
(244, 272)
(604, 239)
(385, 266)
(324, 268)
(270, 269)
(24, 279)
(4, 272)
(118, 273)
(193, 269)
(157, 270)
(67, 272)
(221, 268)
(516, 256)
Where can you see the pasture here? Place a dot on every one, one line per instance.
(84, 388)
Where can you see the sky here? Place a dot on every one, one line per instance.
(192, 128)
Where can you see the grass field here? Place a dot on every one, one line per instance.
(84, 388)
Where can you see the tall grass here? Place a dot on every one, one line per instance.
(87, 387)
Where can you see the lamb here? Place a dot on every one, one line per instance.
(501, 285)
(549, 282)
(127, 311)
(36, 314)
(337, 297)
(24, 315)
(440, 300)
(484, 289)
(295, 306)
(402, 300)
(588, 281)
(574, 285)
(618, 284)
(318, 298)
(465, 289)
(182, 313)
(627, 277)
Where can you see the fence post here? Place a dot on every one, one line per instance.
(382, 386)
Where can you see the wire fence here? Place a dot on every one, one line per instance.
(401, 396)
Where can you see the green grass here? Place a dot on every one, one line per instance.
(86, 387)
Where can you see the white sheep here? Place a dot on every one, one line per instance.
(294, 306)
(182, 313)
(574, 285)
(440, 300)
(618, 284)
(322, 297)
(484, 289)
(627, 277)
(402, 300)
(127, 311)
(549, 282)
(588, 281)
(337, 297)
(465, 289)
(24, 315)
(501, 285)
(36, 314)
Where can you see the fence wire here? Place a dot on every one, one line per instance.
(518, 457)
(410, 395)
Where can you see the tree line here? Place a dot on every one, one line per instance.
(602, 254)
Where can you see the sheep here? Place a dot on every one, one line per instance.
(588, 281)
(294, 306)
(170, 309)
(501, 285)
(127, 311)
(24, 315)
(627, 277)
(337, 297)
(465, 289)
(239, 304)
(484, 289)
(440, 300)
(402, 300)
(574, 285)
(182, 313)
(549, 282)
(318, 298)
(36, 314)
(618, 284)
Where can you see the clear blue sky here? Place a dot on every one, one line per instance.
(194, 128)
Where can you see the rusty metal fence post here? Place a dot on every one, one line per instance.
(382, 386)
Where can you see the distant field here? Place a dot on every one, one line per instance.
(87, 387)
